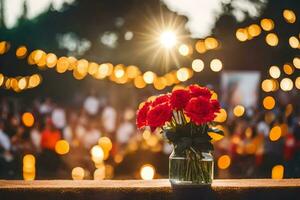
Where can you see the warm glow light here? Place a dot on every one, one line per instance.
(224, 162)
(254, 30)
(200, 46)
(160, 83)
(51, 60)
(82, 67)
(286, 84)
(21, 52)
(288, 69)
(93, 68)
(289, 16)
(267, 24)
(238, 110)
(272, 39)
(139, 82)
(197, 65)
(241, 34)
(168, 39)
(147, 172)
(211, 43)
(216, 65)
(22, 83)
(119, 71)
(182, 74)
(297, 83)
(149, 77)
(275, 133)
(106, 145)
(296, 62)
(99, 173)
(269, 102)
(4, 46)
(29, 167)
(97, 154)
(34, 81)
(294, 42)
(28, 119)
(268, 85)
(62, 64)
(274, 72)
(278, 172)
(132, 71)
(1, 79)
(77, 173)
(184, 50)
(62, 147)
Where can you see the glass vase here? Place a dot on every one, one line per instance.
(191, 168)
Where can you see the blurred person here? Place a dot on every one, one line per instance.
(5, 154)
(58, 117)
(46, 107)
(91, 104)
(91, 136)
(109, 119)
(35, 137)
(50, 135)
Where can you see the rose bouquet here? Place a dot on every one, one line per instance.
(185, 117)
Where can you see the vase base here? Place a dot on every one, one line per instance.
(185, 184)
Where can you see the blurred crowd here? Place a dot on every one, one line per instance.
(254, 142)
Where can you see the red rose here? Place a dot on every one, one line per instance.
(197, 91)
(200, 110)
(216, 105)
(141, 118)
(161, 99)
(179, 98)
(159, 115)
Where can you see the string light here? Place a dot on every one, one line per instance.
(268, 102)
(241, 34)
(216, 65)
(62, 147)
(267, 24)
(275, 133)
(296, 62)
(288, 69)
(289, 16)
(286, 84)
(272, 39)
(274, 72)
(184, 50)
(197, 65)
(294, 42)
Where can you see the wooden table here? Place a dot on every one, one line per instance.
(233, 189)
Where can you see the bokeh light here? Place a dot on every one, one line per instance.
(241, 34)
(221, 116)
(238, 110)
(296, 62)
(286, 84)
(97, 154)
(149, 77)
(274, 72)
(297, 83)
(272, 39)
(147, 172)
(28, 119)
(294, 42)
(168, 39)
(275, 133)
(216, 65)
(288, 69)
(77, 173)
(278, 172)
(289, 16)
(62, 147)
(268, 102)
(182, 74)
(224, 162)
(267, 24)
(184, 50)
(197, 65)
(21, 52)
